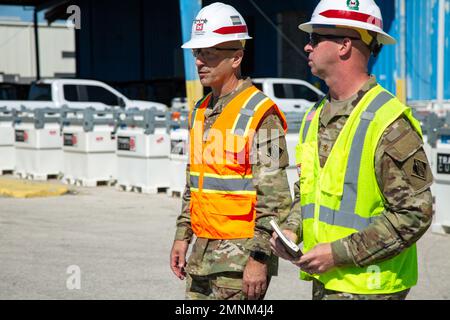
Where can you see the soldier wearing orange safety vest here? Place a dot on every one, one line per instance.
(236, 179)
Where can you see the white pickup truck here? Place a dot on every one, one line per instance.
(290, 95)
(77, 93)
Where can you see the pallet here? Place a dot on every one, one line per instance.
(88, 182)
(5, 171)
(440, 228)
(36, 176)
(174, 193)
(140, 189)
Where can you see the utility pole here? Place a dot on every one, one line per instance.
(36, 44)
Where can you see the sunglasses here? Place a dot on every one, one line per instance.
(209, 53)
(316, 38)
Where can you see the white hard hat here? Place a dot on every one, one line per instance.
(215, 24)
(362, 14)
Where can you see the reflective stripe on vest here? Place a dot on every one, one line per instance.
(194, 111)
(346, 216)
(223, 184)
(337, 218)
(348, 202)
(245, 116)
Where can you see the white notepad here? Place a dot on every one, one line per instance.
(290, 246)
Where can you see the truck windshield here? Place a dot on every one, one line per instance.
(40, 92)
(14, 91)
(294, 91)
(258, 85)
(7, 93)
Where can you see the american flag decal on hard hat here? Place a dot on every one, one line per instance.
(236, 20)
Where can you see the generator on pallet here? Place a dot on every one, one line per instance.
(179, 137)
(89, 146)
(142, 151)
(439, 140)
(7, 152)
(37, 143)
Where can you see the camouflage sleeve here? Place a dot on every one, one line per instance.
(184, 229)
(270, 181)
(404, 177)
(293, 221)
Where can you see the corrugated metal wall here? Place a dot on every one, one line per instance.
(17, 54)
(140, 40)
(384, 66)
(447, 51)
(109, 49)
(421, 49)
(263, 48)
(162, 39)
(421, 54)
(129, 40)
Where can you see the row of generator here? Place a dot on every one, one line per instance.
(142, 150)
(437, 146)
(146, 150)
(134, 149)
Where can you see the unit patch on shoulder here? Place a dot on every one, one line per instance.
(274, 151)
(419, 169)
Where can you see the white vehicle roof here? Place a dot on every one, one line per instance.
(288, 80)
(278, 80)
(70, 81)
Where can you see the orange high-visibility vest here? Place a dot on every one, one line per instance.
(223, 197)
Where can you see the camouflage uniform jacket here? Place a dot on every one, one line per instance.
(403, 175)
(273, 200)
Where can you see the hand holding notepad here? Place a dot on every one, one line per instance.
(290, 246)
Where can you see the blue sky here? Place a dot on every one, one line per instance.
(23, 13)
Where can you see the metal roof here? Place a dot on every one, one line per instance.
(38, 4)
(56, 9)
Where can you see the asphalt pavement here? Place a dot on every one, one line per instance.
(102, 243)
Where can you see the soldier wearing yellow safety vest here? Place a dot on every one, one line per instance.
(363, 197)
(236, 179)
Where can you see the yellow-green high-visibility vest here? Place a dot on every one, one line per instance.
(343, 197)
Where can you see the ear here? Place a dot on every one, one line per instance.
(237, 58)
(345, 48)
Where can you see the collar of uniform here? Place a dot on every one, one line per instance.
(337, 108)
(225, 99)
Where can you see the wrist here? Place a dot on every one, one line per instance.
(183, 233)
(259, 256)
(341, 255)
